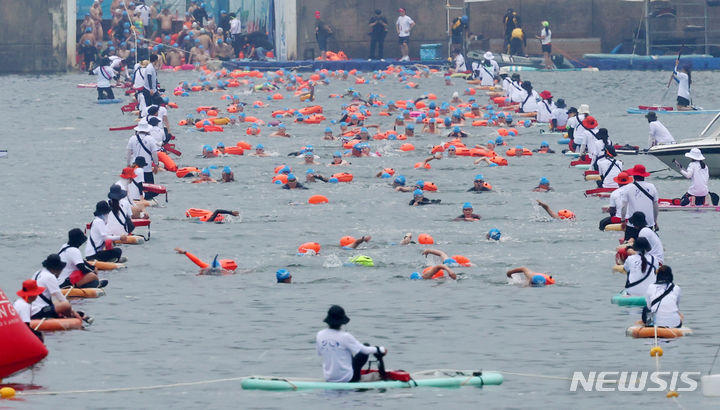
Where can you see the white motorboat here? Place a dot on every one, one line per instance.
(708, 142)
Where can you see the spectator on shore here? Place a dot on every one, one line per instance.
(323, 31)
(378, 31)
(403, 26)
(511, 21)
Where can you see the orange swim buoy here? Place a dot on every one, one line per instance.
(184, 171)
(429, 186)
(234, 150)
(167, 161)
(280, 177)
(389, 171)
(53, 325)
(309, 246)
(346, 241)
(407, 147)
(277, 96)
(480, 123)
(437, 148)
(425, 239)
(463, 151)
(498, 160)
(461, 260)
(246, 145)
(318, 199)
(343, 176)
(212, 113)
(212, 128)
(425, 165)
(350, 144)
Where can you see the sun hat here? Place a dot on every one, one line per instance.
(638, 171)
(560, 103)
(623, 178)
(572, 110)
(584, 109)
(101, 208)
(589, 122)
(30, 288)
(116, 192)
(127, 173)
(546, 95)
(651, 116)
(695, 154)
(53, 261)
(140, 161)
(143, 126)
(336, 316)
(488, 55)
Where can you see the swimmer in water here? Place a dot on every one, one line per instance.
(407, 239)
(479, 184)
(312, 176)
(283, 276)
(543, 186)
(292, 183)
(428, 274)
(430, 127)
(259, 151)
(338, 160)
(399, 184)
(354, 244)
(328, 135)
(281, 132)
(531, 278)
(309, 159)
(217, 267)
(204, 176)
(561, 214)
(227, 175)
(457, 133)
(419, 199)
(467, 214)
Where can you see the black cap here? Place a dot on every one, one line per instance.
(101, 208)
(572, 110)
(153, 109)
(336, 316)
(154, 121)
(651, 116)
(560, 103)
(53, 262)
(638, 219)
(140, 161)
(76, 237)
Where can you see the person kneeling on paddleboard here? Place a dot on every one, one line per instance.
(343, 356)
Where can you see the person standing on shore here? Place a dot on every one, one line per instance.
(378, 31)
(403, 26)
(511, 21)
(322, 32)
(546, 43)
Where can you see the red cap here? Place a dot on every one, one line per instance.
(401, 10)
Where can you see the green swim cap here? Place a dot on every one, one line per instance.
(363, 260)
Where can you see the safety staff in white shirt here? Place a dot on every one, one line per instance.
(545, 107)
(546, 44)
(120, 217)
(120, 67)
(404, 25)
(580, 134)
(659, 134)
(51, 303)
(105, 77)
(23, 306)
(460, 66)
(143, 145)
(570, 126)
(684, 81)
(609, 167)
(150, 88)
(656, 246)
(515, 90)
(586, 131)
(639, 196)
(663, 301)
(343, 356)
(529, 103)
(235, 33)
(640, 268)
(559, 116)
(132, 183)
(95, 247)
(615, 206)
(699, 173)
(77, 272)
(138, 76)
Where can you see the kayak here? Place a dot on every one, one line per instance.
(640, 331)
(625, 300)
(444, 379)
(639, 111)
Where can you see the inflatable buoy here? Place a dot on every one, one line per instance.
(641, 331)
(19, 346)
(132, 240)
(613, 227)
(186, 171)
(244, 145)
(429, 186)
(202, 214)
(425, 165)
(461, 260)
(52, 325)
(277, 96)
(309, 246)
(425, 239)
(212, 128)
(343, 177)
(99, 265)
(220, 120)
(500, 161)
(167, 162)
(83, 293)
(279, 177)
(407, 147)
(234, 150)
(318, 199)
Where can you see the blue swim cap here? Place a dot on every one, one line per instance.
(400, 117)
(282, 274)
(451, 147)
(432, 105)
(450, 261)
(226, 170)
(464, 19)
(432, 120)
(400, 180)
(447, 121)
(456, 129)
(415, 276)
(259, 146)
(494, 234)
(206, 171)
(538, 280)
(475, 105)
(333, 180)
(310, 171)
(417, 192)
(391, 102)
(354, 117)
(207, 147)
(343, 124)
(544, 144)
(309, 154)
(479, 177)
(406, 112)
(281, 126)
(285, 169)
(518, 147)
(363, 129)
(467, 205)
(291, 177)
(328, 129)
(385, 175)
(220, 145)
(544, 181)
(420, 183)
(499, 140)
(410, 126)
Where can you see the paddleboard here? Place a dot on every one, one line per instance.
(625, 300)
(639, 111)
(455, 380)
(109, 101)
(664, 206)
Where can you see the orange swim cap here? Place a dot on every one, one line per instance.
(346, 240)
(566, 214)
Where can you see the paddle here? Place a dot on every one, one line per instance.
(677, 62)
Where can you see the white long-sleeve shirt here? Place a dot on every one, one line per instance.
(699, 178)
(337, 348)
(97, 236)
(135, 149)
(667, 310)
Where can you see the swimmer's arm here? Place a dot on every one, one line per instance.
(547, 209)
(435, 252)
(525, 271)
